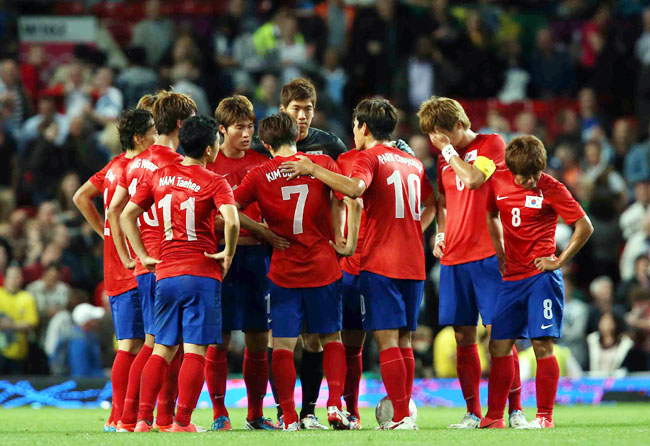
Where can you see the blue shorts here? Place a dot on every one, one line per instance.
(188, 308)
(127, 315)
(530, 308)
(351, 295)
(390, 303)
(318, 308)
(243, 292)
(467, 290)
(147, 291)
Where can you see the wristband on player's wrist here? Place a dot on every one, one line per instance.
(448, 152)
(440, 237)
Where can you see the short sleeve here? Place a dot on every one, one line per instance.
(564, 204)
(441, 186)
(330, 164)
(364, 168)
(97, 180)
(494, 149)
(222, 193)
(143, 196)
(336, 147)
(121, 181)
(244, 194)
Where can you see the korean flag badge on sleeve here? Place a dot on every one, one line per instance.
(533, 201)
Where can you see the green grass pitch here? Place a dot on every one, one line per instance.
(619, 425)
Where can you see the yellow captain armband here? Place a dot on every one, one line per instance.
(485, 165)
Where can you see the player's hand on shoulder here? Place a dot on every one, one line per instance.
(547, 263)
(150, 263)
(342, 248)
(303, 166)
(439, 245)
(129, 264)
(224, 261)
(439, 140)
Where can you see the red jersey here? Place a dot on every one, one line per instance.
(117, 279)
(529, 219)
(186, 199)
(352, 264)
(234, 170)
(466, 234)
(137, 171)
(299, 211)
(396, 186)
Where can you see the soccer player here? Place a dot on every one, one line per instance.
(469, 274)
(298, 99)
(394, 188)
(305, 286)
(137, 132)
(169, 110)
(244, 291)
(186, 198)
(531, 298)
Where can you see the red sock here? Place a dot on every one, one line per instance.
(468, 367)
(132, 399)
(216, 375)
(501, 376)
(153, 376)
(190, 383)
(409, 363)
(256, 377)
(546, 380)
(169, 391)
(393, 373)
(354, 364)
(284, 372)
(120, 380)
(335, 370)
(514, 398)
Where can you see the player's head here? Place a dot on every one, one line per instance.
(526, 159)
(136, 129)
(199, 137)
(373, 118)
(298, 99)
(276, 131)
(445, 116)
(170, 109)
(146, 102)
(236, 119)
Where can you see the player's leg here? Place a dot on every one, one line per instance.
(146, 291)
(311, 373)
(412, 294)
(168, 394)
(129, 331)
(501, 376)
(353, 337)
(545, 313)
(256, 377)
(167, 317)
(274, 390)
(201, 326)
(385, 313)
(287, 313)
(216, 377)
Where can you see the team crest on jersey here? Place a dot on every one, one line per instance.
(470, 156)
(534, 202)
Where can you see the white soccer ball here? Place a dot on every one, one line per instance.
(384, 410)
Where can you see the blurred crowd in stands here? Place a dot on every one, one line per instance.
(575, 73)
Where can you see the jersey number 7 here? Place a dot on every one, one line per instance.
(302, 190)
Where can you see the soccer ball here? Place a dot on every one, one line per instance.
(384, 410)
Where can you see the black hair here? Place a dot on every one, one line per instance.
(197, 133)
(277, 130)
(133, 122)
(379, 115)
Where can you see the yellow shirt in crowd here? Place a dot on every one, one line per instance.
(19, 307)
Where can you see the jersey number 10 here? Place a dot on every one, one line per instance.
(413, 183)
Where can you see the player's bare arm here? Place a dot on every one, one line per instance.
(338, 221)
(582, 232)
(352, 187)
(83, 199)
(472, 175)
(429, 208)
(118, 203)
(439, 241)
(349, 245)
(231, 236)
(261, 231)
(496, 234)
(128, 220)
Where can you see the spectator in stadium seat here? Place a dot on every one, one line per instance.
(636, 166)
(609, 347)
(601, 290)
(46, 112)
(631, 220)
(637, 244)
(13, 96)
(110, 101)
(84, 351)
(641, 280)
(569, 130)
(18, 318)
(51, 295)
(551, 70)
(137, 79)
(153, 33)
(638, 319)
(576, 316)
